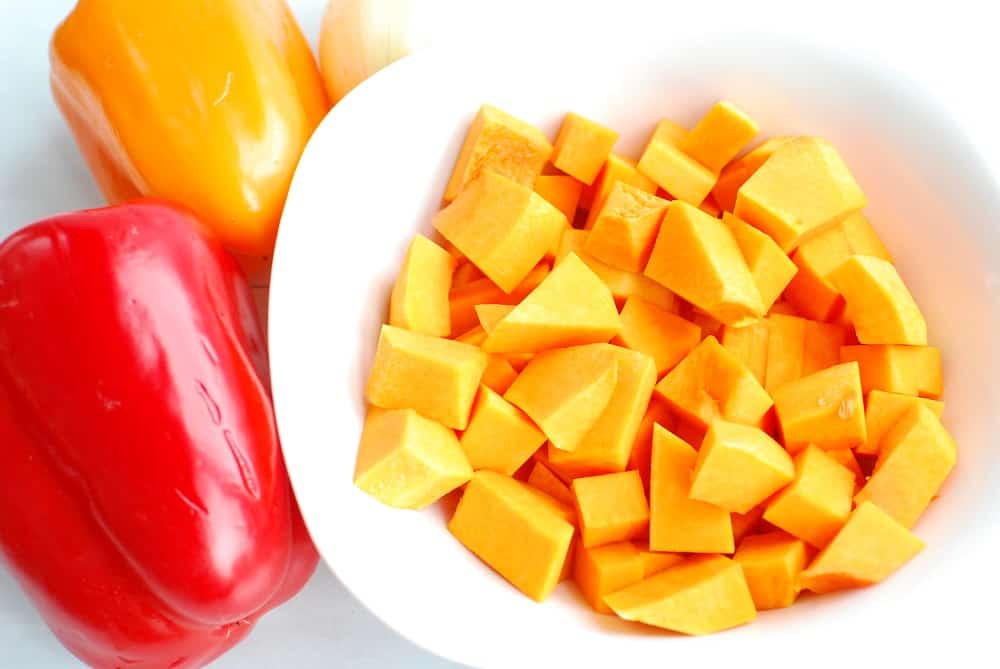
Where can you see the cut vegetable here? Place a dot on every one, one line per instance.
(419, 299)
(825, 408)
(771, 564)
(582, 146)
(500, 437)
(611, 507)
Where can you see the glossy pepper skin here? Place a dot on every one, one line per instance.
(144, 503)
(208, 103)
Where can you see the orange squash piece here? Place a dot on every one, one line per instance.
(582, 146)
(497, 512)
(419, 300)
(563, 193)
(463, 299)
(625, 228)
(749, 344)
(664, 336)
(408, 461)
(605, 569)
(770, 268)
(641, 455)
(542, 478)
(909, 370)
(610, 508)
(883, 410)
(503, 227)
(798, 347)
(664, 162)
(825, 408)
(879, 303)
(500, 437)
(720, 134)
(501, 143)
(616, 168)
(771, 564)
(739, 170)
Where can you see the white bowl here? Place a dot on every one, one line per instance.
(373, 175)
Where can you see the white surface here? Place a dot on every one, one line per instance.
(952, 52)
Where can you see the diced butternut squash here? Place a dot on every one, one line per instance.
(499, 373)
(500, 436)
(869, 548)
(582, 146)
(677, 522)
(749, 344)
(570, 306)
(669, 131)
(771, 564)
(491, 314)
(701, 595)
(607, 444)
(798, 347)
(882, 309)
(771, 269)
(909, 370)
(917, 456)
(622, 284)
(436, 377)
(463, 299)
(709, 383)
(640, 458)
(502, 143)
(503, 227)
(745, 524)
(566, 390)
(720, 134)
(606, 569)
(664, 336)
(801, 190)
(883, 410)
(561, 191)
(419, 299)
(697, 257)
(816, 505)
(610, 508)
(674, 171)
(542, 478)
(625, 228)
(653, 562)
(497, 512)
(825, 408)
(408, 461)
(616, 168)
(738, 467)
(739, 170)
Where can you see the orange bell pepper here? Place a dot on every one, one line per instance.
(205, 102)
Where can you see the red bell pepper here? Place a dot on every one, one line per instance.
(144, 503)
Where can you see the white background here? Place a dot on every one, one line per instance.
(955, 50)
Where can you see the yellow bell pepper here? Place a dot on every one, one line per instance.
(208, 103)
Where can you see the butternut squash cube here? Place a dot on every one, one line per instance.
(697, 257)
(825, 408)
(677, 522)
(883, 410)
(616, 168)
(623, 234)
(436, 377)
(464, 299)
(565, 391)
(497, 512)
(917, 456)
(749, 344)
(408, 461)
(709, 383)
(720, 134)
(419, 300)
(570, 306)
(816, 505)
(771, 564)
(606, 446)
(801, 190)
(503, 227)
(701, 595)
(561, 191)
(502, 143)
(582, 146)
(770, 268)
(664, 336)
(541, 478)
(738, 467)
(610, 508)
(499, 373)
(641, 456)
(798, 347)
(881, 307)
(676, 172)
(499, 437)
(909, 370)
(869, 548)
(605, 569)
(739, 170)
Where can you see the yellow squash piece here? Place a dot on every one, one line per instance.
(816, 505)
(677, 522)
(917, 456)
(502, 143)
(883, 410)
(771, 564)
(664, 336)
(720, 134)
(582, 146)
(825, 408)
(407, 461)
(499, 436)
(770, 268)
(610, 508)
(881, 307)
(436, 377)
(801, 190)
(541, 478)
(867, 550)
(514, 530)
(738, 467)
(701, 595)
(505, 228)
(625, 228)
(606, 569)
(697, 257)
(674, 171)
(419, 299)
(909, 370)
(570, 306)
(739, 170)
(616, 168)
(566, 390)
